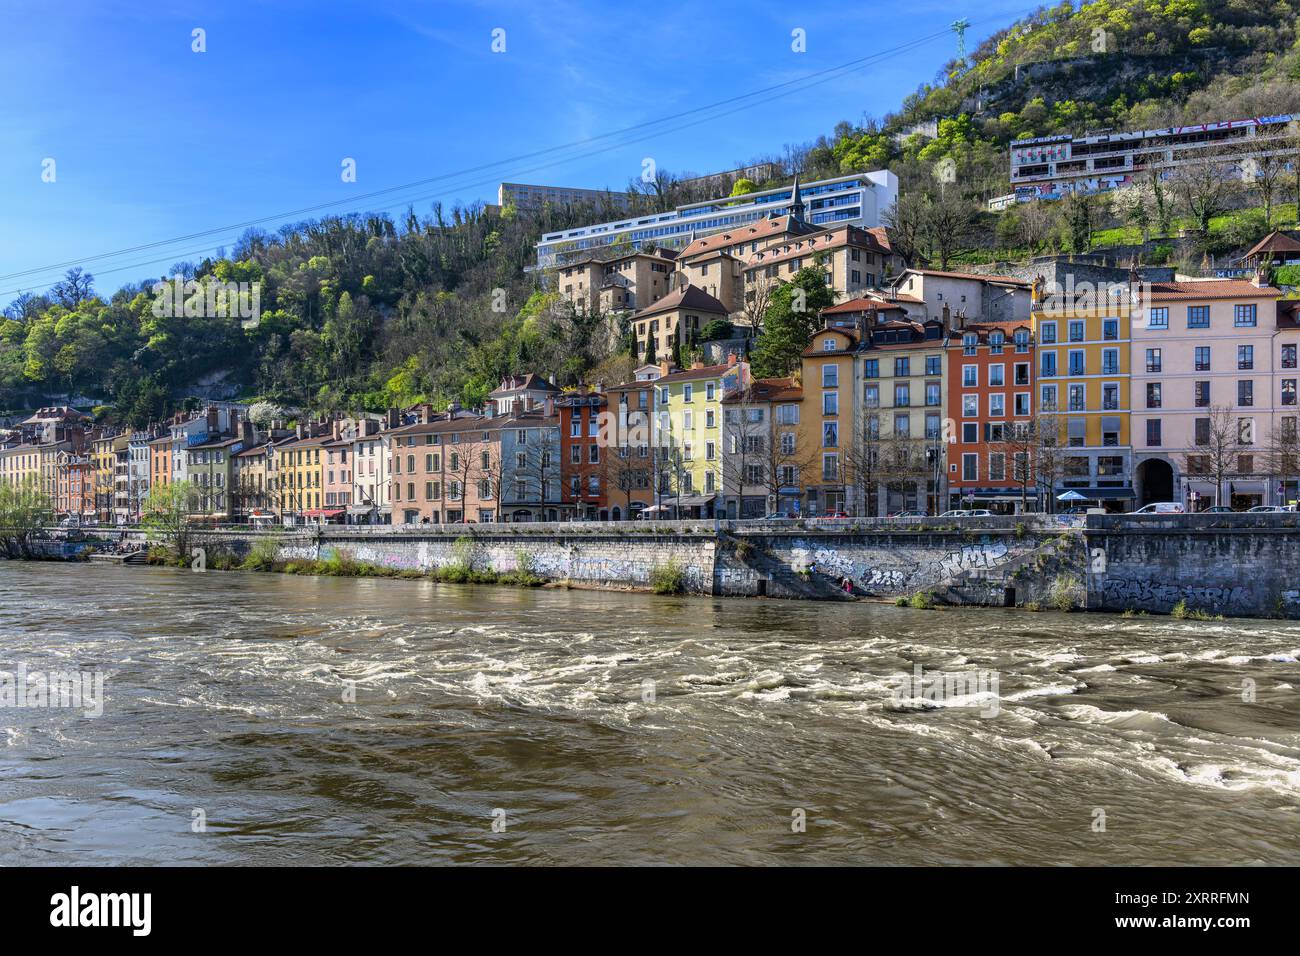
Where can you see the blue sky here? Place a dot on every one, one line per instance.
(153, 141)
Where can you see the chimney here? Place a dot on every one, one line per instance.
(697, 364)
(247, 433)
(516, 407)
(393, 417)
(947, 316)
(664, 367)
(1259, 280)
(549, 408)
(212, 418)
(300, 431)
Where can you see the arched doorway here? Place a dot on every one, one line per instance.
(1155, 478)
(616, 514)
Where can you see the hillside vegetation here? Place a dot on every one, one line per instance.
(361, 312)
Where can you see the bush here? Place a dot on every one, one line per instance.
(1066, 592)
(743, 550)
(263, 556)
(668, 578)
(921, 601)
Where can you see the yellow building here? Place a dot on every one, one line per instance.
(299, 476)
(19, 463)
(690, 464)
(103, 459)
(1084, 382)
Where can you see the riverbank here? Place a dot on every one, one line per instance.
(1196, 566)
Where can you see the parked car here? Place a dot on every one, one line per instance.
(1268, 510)
(979, 513)
(909, 514)
(1216, 510)
(956, 513)
(779, 515)
(1161, 508)
(833, 514)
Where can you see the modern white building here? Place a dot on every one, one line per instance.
(860, 199)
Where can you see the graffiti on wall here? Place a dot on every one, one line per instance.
(1160, 595)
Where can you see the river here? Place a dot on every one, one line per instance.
(271, 719)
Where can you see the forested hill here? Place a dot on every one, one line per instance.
(364, 311)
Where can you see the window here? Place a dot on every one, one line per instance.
(708, 391)
(1077, 398)
(1110, 397)
(1153, 394)
(970, 376)
(933, 393)
(711, 417)
(1288, 391)
(970, 467)
(970, 406)
(970, 433)
(1153, 360)
(996, 340)
(830, 467)
(593, 455)
(575, 425)
(871, 395)
(997, 376)
(1201, 431)
(1047, 333)
(902, 366)
(1109, 466)
(1076, 330)
(1153, 432)
(1158, 319)
(1243, 316)
(1245, 392)
(711, 450)
(830, 376)
(1201, 394)
(933, 427)
(871, 368)
(1198, 316)
(933, 365)
(969, 342)
(1202, 358)
(1048, 396)
(1022, 373)
(1245, 357)
(575, 454)
(787, 443)
(830, 435)
(1288, 356)
(903, 426)
(830, 403)
(1022, 403)
(1076, 362)
(997, 466)
(1110, 362)
(787, 415)
(688, 393)
(1048, 363)
(902, 395)
(1110, 329)
(1022, 340)
(997, 405)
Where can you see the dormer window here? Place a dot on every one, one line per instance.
(828, 345)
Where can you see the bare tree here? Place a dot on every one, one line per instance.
(1218, 442)
(863, 468)
(1203, 191)
(1049, 454)
(76, 286)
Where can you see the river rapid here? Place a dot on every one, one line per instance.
(273, 719)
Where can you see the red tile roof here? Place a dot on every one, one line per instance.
(1211, 289)
(691, 297)
(749, 233)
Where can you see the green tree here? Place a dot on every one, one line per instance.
(792, 318)
(24, 509)
(167, 509)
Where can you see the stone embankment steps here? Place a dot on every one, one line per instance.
(781, 580)
(1005, 584)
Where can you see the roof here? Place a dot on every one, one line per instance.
(691, 297)
(992, 279)
(751, 232)
(1211, 289)
(1274, 242)
(708, 371)
(532, 382)
(800, 246)
(768, 390)
(983, 329)
(869, 303)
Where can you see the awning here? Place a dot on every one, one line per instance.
(1077, 428)
(323, 513)
(690, 501)
(1105, 494)
(360, 509)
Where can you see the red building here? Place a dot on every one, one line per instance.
(990, 391)
(582, 457)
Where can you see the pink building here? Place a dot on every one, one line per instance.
(1210, 352)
